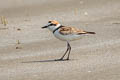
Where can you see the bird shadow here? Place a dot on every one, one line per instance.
(43, 61)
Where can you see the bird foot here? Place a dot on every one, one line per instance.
(67, 59)
(59, 59)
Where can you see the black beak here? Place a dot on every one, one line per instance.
(44, 27)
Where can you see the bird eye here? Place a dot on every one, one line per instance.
(50, 24)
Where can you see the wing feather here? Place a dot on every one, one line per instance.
(71, 30)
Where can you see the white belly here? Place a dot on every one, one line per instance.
(69, 37)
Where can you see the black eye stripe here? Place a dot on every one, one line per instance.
(52, 25)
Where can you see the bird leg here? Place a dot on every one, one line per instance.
(64, 53)
(69, 51)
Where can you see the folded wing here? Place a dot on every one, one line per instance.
(72, 30)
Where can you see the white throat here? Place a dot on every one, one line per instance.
(52, 28)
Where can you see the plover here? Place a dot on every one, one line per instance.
(65, 33)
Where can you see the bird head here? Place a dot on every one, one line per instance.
(51, 23)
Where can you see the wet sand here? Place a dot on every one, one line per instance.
(93, 57)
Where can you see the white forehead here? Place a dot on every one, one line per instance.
(48, 24)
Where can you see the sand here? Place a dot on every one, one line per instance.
(27, 52)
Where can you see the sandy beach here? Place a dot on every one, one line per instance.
(27, 51)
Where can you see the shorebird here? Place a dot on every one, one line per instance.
(65, 33)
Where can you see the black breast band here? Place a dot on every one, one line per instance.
(57, 28)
